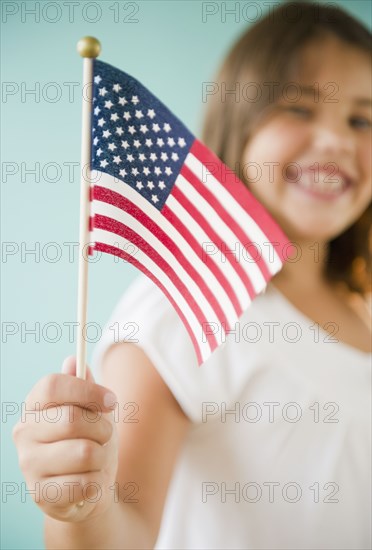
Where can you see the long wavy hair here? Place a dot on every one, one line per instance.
(268, 52)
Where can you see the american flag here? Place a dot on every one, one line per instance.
(165, 203)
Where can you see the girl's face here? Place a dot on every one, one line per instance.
(309, 162)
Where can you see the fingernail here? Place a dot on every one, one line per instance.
(66, 364)
(109, 399)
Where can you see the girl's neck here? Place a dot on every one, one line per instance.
(304, 270)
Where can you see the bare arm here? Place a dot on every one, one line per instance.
(148, 451)
(118, 528)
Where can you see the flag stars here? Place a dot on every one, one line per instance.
(154, 153)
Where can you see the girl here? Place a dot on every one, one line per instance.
(267, 445)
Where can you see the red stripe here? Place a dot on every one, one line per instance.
(245, 198)
(199, 251)
(111, 197)
(113, 226)
(129, 258)
(230, 222)
(216, 239)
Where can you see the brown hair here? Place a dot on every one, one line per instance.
(266, 54)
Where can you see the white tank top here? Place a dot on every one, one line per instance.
(279, 451)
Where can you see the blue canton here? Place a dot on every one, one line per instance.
(135, 137)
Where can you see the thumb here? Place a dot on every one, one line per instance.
(69, 367)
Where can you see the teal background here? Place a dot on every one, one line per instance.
(172, 52)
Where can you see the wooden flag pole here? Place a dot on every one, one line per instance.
(89, 48)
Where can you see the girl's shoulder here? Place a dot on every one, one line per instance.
(274, 348)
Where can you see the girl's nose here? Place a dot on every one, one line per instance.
(333, 137)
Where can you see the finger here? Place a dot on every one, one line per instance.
(69, 367)
(68, 457)
(71, 422)
(63, 491)
(57, 389)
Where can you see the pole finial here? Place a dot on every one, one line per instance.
(88, 46)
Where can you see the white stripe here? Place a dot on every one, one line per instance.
(201, 236)
(228, 202)
(109, 238)
(105, 180)
(224, 231)
(115, 213)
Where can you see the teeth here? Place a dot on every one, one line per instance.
(322, 182)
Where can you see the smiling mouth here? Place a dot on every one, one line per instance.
(321, 184)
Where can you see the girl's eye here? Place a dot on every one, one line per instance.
(298, 110)
(360, 122)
